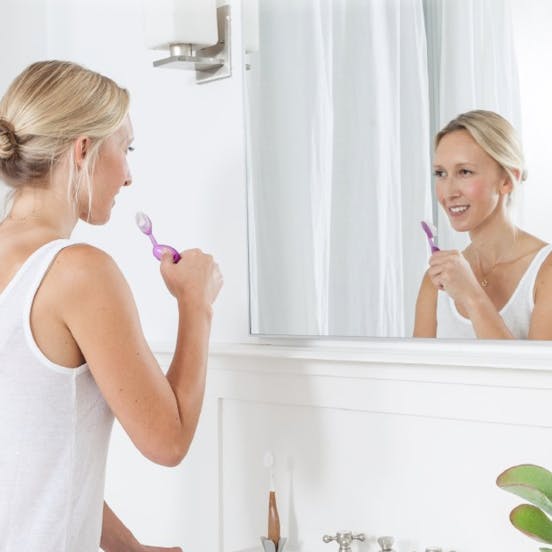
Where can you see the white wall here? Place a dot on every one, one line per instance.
(188, 166)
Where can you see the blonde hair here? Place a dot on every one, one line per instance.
(496, 136)
(46, 108)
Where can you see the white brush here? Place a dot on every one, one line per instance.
(268, 462)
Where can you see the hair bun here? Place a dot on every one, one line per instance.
(8, 140)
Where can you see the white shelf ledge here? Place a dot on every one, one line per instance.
(517, 355)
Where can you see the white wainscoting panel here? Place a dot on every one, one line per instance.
(393, 438)
(382, 446)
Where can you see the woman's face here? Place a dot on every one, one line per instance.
(471, 185)
(111, 173)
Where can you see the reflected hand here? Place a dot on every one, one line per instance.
(450, 271)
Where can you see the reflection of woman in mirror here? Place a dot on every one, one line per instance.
(500, 286)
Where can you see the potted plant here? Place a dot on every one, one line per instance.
(534, 484)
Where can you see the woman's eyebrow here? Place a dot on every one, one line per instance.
(456, 164)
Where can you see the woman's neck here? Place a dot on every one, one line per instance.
(42, 207)
(494, 241)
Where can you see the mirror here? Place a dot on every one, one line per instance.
(342, 102)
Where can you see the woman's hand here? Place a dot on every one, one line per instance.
(116, 537)
(451, 272)
(196, 278)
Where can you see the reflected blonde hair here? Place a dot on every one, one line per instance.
(46, 108)
(496, 136)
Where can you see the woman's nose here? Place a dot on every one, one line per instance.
(453, 193)
(128, 180)
(450, 188)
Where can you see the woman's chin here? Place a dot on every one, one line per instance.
(459, 226)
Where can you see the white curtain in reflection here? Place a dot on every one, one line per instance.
(473, 65)
(339, 157)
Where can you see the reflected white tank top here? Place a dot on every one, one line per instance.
(54, 433)
(516, 313)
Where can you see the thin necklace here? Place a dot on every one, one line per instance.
(485, 277)
(485, 282)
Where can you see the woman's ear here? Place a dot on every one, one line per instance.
(80, 150)
(517, 174)
(507, 186)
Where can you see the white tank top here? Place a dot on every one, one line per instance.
(516, 313)
(54, 433)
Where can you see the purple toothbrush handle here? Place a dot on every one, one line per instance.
(430, 237)
(159, 249)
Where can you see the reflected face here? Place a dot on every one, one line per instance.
(471, 185)
(111, 173)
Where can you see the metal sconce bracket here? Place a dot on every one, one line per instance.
(211, 63)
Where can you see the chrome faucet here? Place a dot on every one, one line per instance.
(344, 539)
(386, 544)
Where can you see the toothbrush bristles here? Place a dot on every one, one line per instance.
(268, 462)
(143, 222)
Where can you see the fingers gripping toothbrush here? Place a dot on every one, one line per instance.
(144, 223)
(431, 233)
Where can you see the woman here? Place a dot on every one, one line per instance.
(72, 352)
(500, 286)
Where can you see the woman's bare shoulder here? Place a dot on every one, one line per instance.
(85, 262)
(530, 243)
(83, 274)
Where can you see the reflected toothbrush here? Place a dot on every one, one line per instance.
(144, 223)
(431, 233)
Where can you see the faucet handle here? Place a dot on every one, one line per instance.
(344, 539)
(386, 544)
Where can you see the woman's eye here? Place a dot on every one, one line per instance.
(130, 148)
(465, 172)
(438, 173)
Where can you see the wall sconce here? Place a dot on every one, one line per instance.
(250, 12)
(250, 9)
(195, 32)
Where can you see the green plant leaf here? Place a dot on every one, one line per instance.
(533, 522)
(533, 483)
(545, 549)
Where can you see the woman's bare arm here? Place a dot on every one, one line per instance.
(541, 319)
(159, 413)
(425, 324)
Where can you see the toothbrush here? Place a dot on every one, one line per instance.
(144, 223)
(268, 462)
(431, 233)
(273, 518)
